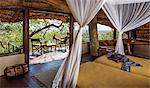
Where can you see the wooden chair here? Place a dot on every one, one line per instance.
(36, 46)
(61, 42)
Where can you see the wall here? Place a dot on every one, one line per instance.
(9, 61)
(142, 34)
(142, 51)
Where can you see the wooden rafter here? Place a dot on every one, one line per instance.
(46, 7)
(15, 16)
(61, 4)
(49, 12)
(5, 16)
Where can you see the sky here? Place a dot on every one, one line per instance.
(99, 27)
(103, 27)
(76, 26)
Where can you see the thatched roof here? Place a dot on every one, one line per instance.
(12, 10)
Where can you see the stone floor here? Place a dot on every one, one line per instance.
(48, 57)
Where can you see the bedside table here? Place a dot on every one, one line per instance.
(102, 50)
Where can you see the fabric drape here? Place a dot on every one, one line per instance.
(83, 11)
(126, 15)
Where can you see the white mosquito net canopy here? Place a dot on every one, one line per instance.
(126, 15)
(83, 11)
(126, 1)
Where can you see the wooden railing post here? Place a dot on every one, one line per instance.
(71, 30)
(115, 35)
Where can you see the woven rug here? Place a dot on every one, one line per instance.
(45, 78)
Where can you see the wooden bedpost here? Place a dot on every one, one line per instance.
(114, 35)
(71, 30)
(26, 34)
(94, 43)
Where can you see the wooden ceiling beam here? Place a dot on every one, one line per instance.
(11, 7)
(49, 12)
(35, 4)
(102, 19)
(5, 16)
(55, 7)
(41, 17)
(46, 10)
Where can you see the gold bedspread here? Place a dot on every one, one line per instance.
(143, 70)
(94, 75)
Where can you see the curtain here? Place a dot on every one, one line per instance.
(83, 11)
(126, 15)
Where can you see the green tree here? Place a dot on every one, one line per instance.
(10, 33)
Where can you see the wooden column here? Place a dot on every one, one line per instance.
(114, 33)
(114, 36)
(71, 30)
(26, 35)
(94, 43)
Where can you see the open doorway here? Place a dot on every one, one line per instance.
(50, 43)
(49, 38)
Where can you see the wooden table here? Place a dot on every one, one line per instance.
(102, 50)
(130, 45)
(50, 46)
(43, 47)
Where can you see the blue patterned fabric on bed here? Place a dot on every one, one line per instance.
(126, 62)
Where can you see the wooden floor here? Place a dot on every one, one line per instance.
(26, 81)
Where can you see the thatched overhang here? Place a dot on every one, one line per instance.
(12, 10)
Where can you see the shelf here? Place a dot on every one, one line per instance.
(144, 40)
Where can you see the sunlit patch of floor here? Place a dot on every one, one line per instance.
(47, 57)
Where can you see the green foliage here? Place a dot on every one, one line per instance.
(102, 35)
(37, 23)
(48, 33)
(105, 35)
(10, 33)
(86, 36)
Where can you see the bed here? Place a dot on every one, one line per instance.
(143, 70)
(95, 75)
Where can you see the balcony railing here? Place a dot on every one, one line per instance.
(11, 48)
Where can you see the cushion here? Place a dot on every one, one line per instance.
(141, 70)
(16, 70)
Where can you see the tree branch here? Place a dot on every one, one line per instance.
(2, 44)
(33, 33)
